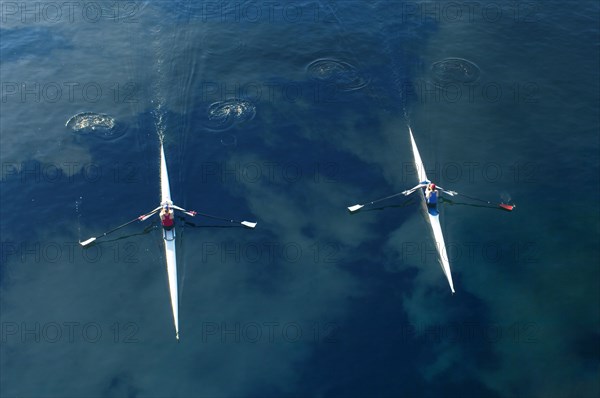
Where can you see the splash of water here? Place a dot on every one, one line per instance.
(506, 197)
(455, 70)
(98, 125)
(223, 115)
(343, 75)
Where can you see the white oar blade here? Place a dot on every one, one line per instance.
(87, 242)
(355, 208)
(248, 224)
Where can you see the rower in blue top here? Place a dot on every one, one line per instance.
(431, 194)
(431, 198)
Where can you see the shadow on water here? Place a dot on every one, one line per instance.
(145, 231)
(404, 204)
(455, 203)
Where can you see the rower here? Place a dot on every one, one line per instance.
(167, 216)
(431, 195)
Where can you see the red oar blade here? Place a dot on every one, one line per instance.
(506, 207)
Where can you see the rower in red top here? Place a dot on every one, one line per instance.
(167, 216)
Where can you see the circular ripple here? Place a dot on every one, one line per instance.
(229, 139)
(344, 75)
(223, 115)
(455, 70)
(96, 124)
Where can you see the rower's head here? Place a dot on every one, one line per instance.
(432, 186)
(166, 205)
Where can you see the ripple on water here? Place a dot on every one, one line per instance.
(223, 43)
(343, 74)
(223, 115)
(228, 140)
(96, 124)
(455, 70)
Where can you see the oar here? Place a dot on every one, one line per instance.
(244, 223)
(193, 213)
(143, 217)
(405, 193)
(503, 206)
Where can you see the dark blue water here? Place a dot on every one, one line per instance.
(285, 115)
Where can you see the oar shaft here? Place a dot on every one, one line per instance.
(140, 218)
(477, 199)
(120, 226)
(218, 218)
(193, 213)
(386, 198)
(406, 193)
(501, 205)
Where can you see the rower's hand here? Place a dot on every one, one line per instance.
(193, 213)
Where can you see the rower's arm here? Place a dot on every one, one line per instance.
(188, 212)
(144, 217)
(450, 193)
(409, 191)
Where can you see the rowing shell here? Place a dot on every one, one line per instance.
(168, 234)
(433, 215)
(169, 239)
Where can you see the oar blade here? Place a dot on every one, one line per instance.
(354, 208)
(506, 207)
(248, 224)
(146, 216)
(87, 242)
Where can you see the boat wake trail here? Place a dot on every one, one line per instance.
(158, 98)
